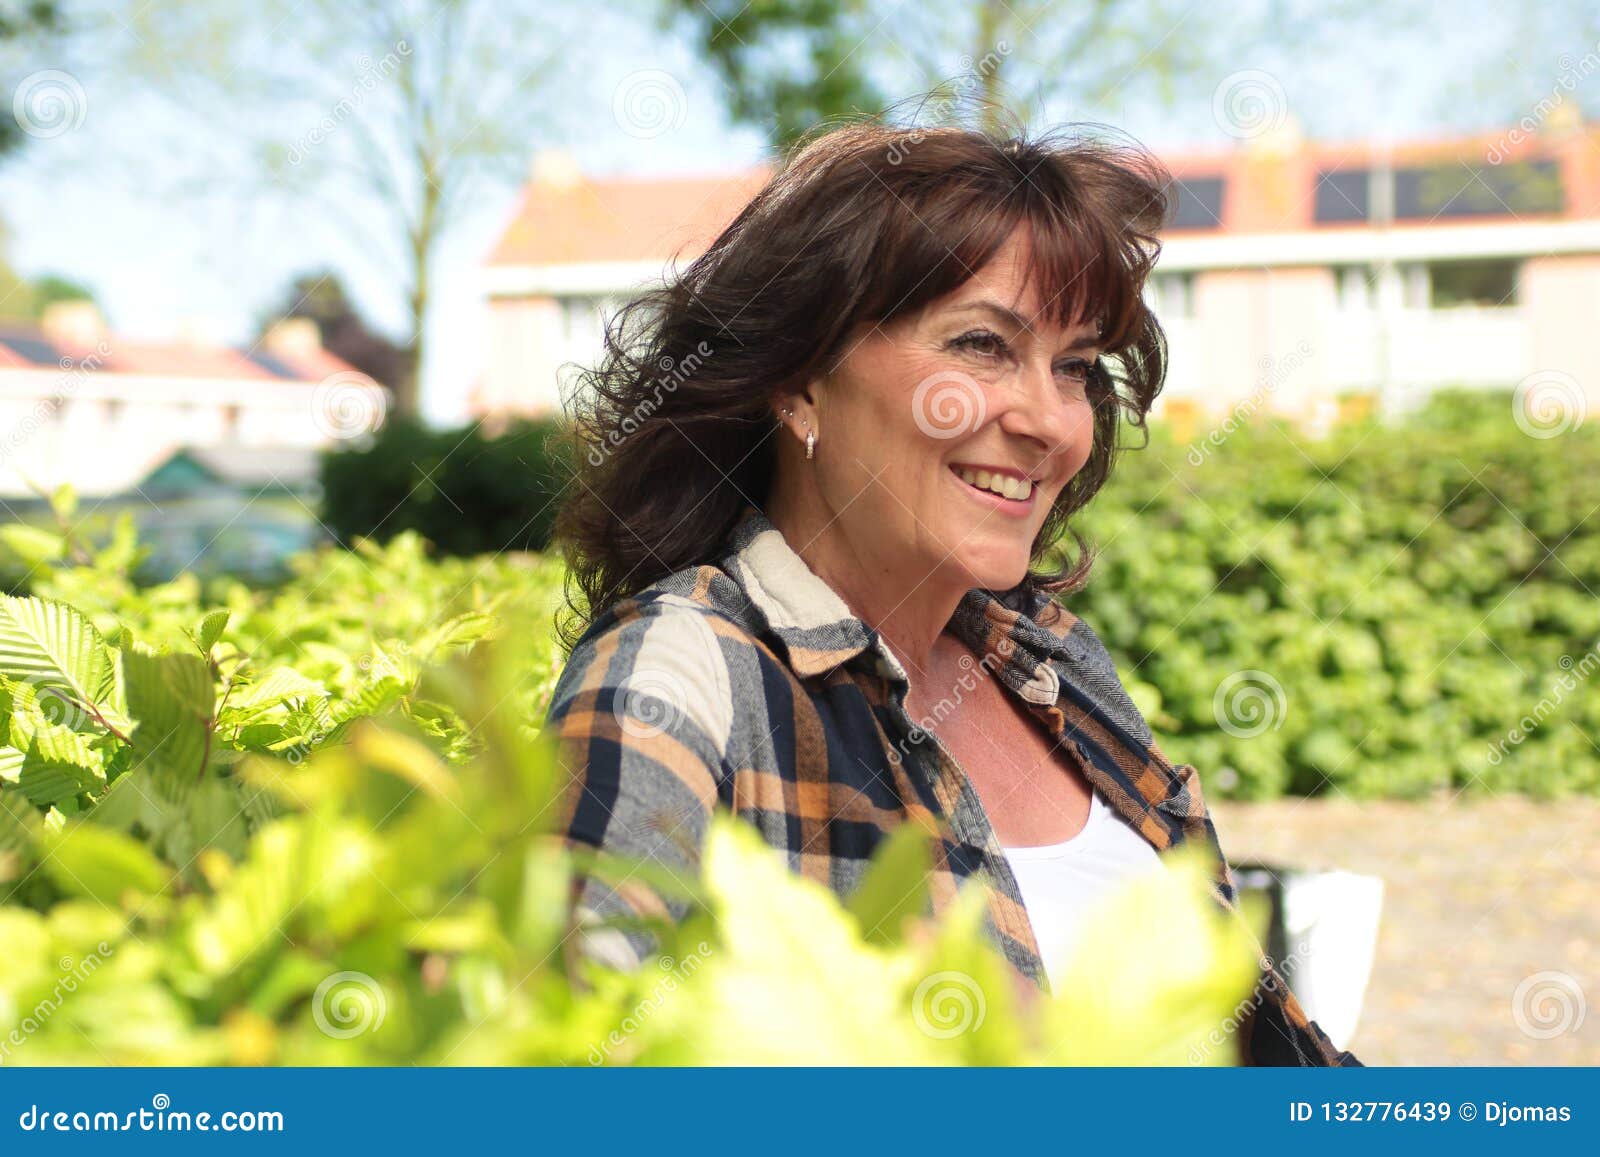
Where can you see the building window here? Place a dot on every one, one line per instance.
(583, 319)
(1457, 189)
(1486, 284)
(1341, 196)
(1447, 189)
(1414, 288)
(1358, 287)
(576, 318)
(1171, 295)
(1196, 203)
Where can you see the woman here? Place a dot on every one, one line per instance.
(824, 470)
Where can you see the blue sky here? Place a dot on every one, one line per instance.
(95, 204)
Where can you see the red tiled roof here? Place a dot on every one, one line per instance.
(178, 360)
(26, 348)
(621, 219)
(312, 365)
(1268, 189)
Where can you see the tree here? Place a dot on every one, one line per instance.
(789, 64)
(385, 115)
(23, 299)
(26, 26)
(50, 288)
(321, 298)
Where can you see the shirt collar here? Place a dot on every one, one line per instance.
(818, 631)
(802, 612)
(1043, 652)
(1039, 645)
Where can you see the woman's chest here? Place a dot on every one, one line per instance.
(1030, 785)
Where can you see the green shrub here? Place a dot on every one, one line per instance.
(466, 492)
(1399, 600)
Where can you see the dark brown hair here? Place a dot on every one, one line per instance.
(865, 223)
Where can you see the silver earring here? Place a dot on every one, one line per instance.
(811, 444)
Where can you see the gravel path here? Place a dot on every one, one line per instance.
(1480, 895)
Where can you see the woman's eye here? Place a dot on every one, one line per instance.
(1076, 370)
(982, 340)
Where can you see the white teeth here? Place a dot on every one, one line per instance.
(1017, 489)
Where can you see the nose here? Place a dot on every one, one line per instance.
(1036, 407)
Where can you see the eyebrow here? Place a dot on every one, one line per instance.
(1014, 319)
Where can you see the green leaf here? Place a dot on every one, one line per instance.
(19, 822)
(274, 687)
(102, 863)
(55, 744)
(55, 784)
(10, 763)
(33, 545)
(123, 552)
(51, 645)
(791, 962)
(211, 628)
(170, 698)
(895, 885)
(461, 631)
(64, 501)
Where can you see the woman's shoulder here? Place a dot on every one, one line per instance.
(681, 638)
(1079, 654)
(691, 600)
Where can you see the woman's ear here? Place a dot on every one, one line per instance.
(806, 401)
(797, 410)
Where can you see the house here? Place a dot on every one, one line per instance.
(101, 411)
(1295, 276)
(253, 471)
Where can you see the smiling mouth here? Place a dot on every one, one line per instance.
(1006, 488)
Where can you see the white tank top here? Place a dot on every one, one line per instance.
(1060, 882)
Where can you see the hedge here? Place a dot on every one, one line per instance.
(1393, 610)
(464, 490)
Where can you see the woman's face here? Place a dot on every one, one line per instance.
(945, 437)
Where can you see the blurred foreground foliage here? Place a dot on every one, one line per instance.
(317, 825)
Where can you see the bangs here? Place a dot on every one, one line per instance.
(1091, 236)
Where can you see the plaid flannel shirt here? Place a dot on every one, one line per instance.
(749, 684)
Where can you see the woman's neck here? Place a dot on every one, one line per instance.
(908, 611)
